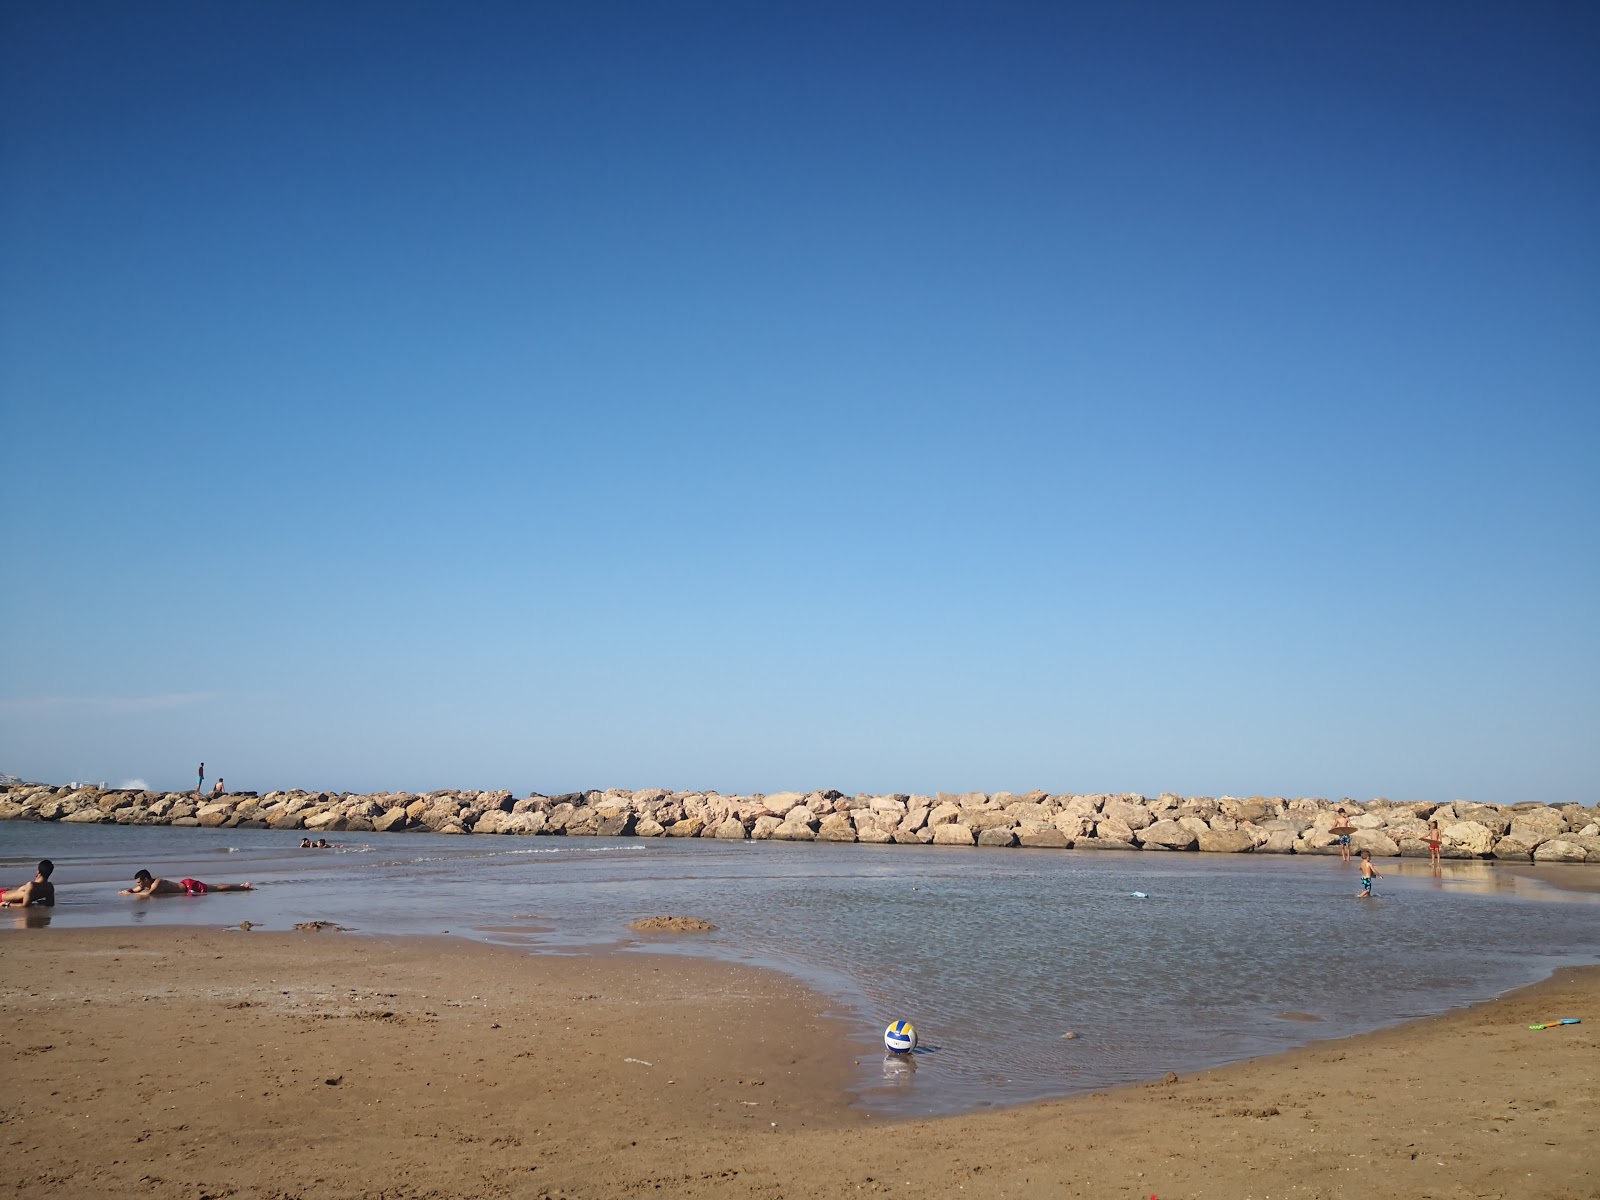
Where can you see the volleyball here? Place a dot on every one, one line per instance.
(900, 1037)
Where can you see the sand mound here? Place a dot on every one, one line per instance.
(671, 925)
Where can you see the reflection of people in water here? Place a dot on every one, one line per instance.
(38, 890)
(145, 884)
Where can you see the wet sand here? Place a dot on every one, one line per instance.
(183, 1063)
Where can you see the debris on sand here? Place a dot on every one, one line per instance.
(671, 925)
(320, 927)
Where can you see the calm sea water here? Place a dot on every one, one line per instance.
(993, 954)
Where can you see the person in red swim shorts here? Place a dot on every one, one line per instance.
(145, 884)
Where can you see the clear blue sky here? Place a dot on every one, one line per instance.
(886, 397)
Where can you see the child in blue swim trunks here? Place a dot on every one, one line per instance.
(1368, 874)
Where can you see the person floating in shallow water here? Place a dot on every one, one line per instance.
(39, 890)
(1368, 874)
(145, 884)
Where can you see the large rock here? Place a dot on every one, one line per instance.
(765, 826)
(391, 821)
(284, 819)
(1113, 829)
(945, 814)
(647, 827)
(619, 822)
(954, 834)
(688, 827)
(1134, 816)
(1279, 841)
(1514, 848)
(793, 831)
(1102, 843)
(836, 827)
(1168, 835)
(492, 821)
(978, 822)
(1558, 850)
(731, 830)
(1473, 837)
(330, 821)
(874, 835)
(1044, 837)
(1226, 842)
(997, 835)
(1493, 818)
(88, 816)
(1375, 842)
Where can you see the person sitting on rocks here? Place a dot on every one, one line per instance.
(145, 884)
(38, 890)
(218, 788)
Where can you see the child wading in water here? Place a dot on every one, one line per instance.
(1368, 874)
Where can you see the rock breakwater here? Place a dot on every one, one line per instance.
(1528, 832)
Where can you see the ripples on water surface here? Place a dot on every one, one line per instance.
(993, 954)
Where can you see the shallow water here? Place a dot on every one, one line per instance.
(993, 954)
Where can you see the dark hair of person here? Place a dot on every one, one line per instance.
(143, 877)
(46, 867)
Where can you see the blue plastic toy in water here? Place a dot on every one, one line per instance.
(1141, 895)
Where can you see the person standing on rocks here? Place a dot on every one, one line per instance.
(37, 891)
(200, 782)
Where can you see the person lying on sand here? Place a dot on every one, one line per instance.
(39, 890)
(144, 884)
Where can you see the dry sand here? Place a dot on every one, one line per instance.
(181, 1063)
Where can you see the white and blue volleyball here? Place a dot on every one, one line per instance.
(900, 1037)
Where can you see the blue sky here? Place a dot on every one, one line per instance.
(883, 397)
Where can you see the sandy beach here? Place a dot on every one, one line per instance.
(206, 1063)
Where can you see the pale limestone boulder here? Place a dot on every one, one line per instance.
(1231, 841)
(1253, 811)
(1113, 829)
(1590, 843)
(731, 830)
(945, 814)
(836, 828)
(915, 819)
(392, 821)
(875, 835)
(1534, 830)
(1491, 816)
(997, 835)
(1406, 826)
(1364, 820)
(1375, 842)
(952, 834)
(1560, 850)
(1194, 824)
(687, 828)
(613, 822)
(801, 814)
(1081, 806)
(987, 819)
(1102, 843)
(1590, 830)
(1222, 823)
(1515, 849)
(764, 827)
(284, 819)
(793, 831)
(1131, 816)
(892, 806)
(1471, 836)
(492, 821)
(88, 815)
(1071, 825)
(782, 802)
(1025, 810)
(12, 811)
(1168, 835)
(351, 824)
(1279, 841)
(1043, 837)
(325, 820)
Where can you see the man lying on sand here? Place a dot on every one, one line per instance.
(37, 891)
(144, 884)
